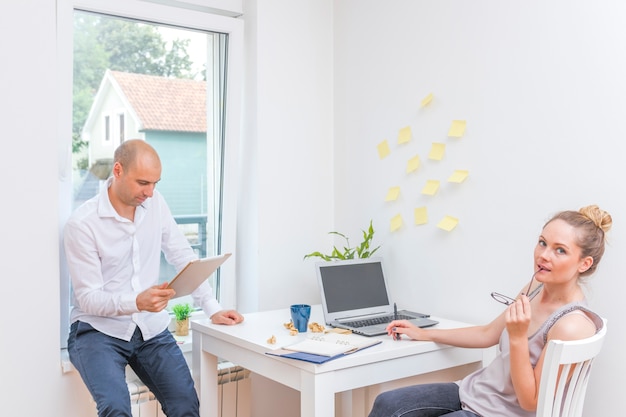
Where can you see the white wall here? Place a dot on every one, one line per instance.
(287, 183)
(33, 384)
(542, 87)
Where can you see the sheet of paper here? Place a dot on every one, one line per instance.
(437, 150)
(318, 348)
(392, 194)
(448, 223)
(383, 149)
(420, 215)
(458, 176)
(431, 187)
(413, 164)
(404, 136)
(426, 100)
(457, 129)
(349, 342)
(396, 222)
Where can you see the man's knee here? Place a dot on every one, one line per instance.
(183, 405)
(115, 407)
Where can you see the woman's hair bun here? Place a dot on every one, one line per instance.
(601, 218)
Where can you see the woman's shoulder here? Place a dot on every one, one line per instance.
(574, 325)
(572, 322)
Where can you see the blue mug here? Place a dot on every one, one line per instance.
(300, 314)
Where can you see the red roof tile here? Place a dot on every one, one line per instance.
(168, 104)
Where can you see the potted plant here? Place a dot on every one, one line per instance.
(363, 250)
(182, 312)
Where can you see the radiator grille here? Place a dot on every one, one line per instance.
(234, 394)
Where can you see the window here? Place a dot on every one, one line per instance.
(107, 128)
(121, 122)
(163, 72)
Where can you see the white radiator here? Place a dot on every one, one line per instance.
(142, 401)
(233, 394)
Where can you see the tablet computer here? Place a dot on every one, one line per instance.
(195, 273)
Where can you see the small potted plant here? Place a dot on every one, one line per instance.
(363, 250)
(182, 312)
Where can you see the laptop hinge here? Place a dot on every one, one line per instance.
(364, 316)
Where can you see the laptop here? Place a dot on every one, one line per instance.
(355, 297)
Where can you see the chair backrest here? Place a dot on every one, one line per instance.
(565, 374)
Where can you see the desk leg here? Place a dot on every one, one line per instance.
(205, 375)
(352, 403)
(317, 396)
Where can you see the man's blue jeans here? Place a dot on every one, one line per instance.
(427, 400)
(101, 361)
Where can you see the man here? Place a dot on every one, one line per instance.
(113, 245)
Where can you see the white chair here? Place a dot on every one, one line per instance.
(565, 374)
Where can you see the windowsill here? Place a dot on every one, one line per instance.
(184, 342)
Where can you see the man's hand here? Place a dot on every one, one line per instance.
(155, 298)
(226, 317)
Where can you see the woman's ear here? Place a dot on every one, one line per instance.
(586, 263)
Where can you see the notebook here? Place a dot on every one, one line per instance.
(321, 348)
(355, 297)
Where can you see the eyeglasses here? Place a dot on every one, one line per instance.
(501, 298)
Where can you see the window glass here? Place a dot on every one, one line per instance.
(162, 84)
(158, 74)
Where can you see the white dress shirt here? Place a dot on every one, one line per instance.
(112, 259)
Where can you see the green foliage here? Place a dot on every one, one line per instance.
(363, 250)
(182, 311)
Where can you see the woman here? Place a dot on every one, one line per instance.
(569, 248)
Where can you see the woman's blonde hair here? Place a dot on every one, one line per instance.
(592, 223)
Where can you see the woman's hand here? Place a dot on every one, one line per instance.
(518, 317)
(399, 327)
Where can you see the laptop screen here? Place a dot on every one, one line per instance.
(353, 285)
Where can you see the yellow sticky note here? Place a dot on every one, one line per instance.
(426, 100)
(383, 149)
(396, 222)
(457, 129)
(458, 175)
(437, 150)
(431, 187)
(393, 194)
(448, 223)
(413, 164)
(420, 215)
(404, 136)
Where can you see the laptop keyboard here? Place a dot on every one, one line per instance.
(376, 320)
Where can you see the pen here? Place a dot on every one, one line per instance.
(396, 336)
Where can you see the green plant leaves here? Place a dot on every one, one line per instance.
(182, 311)
(347, 252)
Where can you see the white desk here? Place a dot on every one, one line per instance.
(245, 345)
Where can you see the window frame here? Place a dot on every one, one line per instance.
(201, 18)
